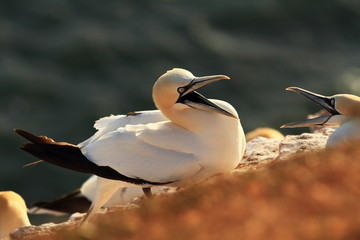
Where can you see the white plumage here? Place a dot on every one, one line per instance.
(122, 197)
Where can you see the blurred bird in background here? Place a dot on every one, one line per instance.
(264, 132)
(80, 199)
(13, 213)
(343, 113)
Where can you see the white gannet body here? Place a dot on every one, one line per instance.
(80, 199)
(122, 197)
(198, 139)
(344, 113)
(346, 133)
(13, 213)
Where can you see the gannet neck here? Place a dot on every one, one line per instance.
(200, 121)
(348, 132)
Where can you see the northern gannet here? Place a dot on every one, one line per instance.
(264, 132)
(344, 113)
(197, 139)
(80, 199)
(12, 213)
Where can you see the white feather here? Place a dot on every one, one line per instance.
(130, 155)
(111, 123)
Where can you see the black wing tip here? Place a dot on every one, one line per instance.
(27, 147)
(24, 146)
(70, 157)
(132, 114)
(19, 131)
(22, 132)
(29, 136)
(68, 203)
(39, 204)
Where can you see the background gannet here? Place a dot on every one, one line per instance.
(201, 138)
(80, 199)
(12, 213)
(264, 132)
(344, 112)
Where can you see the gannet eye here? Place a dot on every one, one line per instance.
(181, 90)
(332, 102)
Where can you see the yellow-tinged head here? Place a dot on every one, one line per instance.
(264, 132)
(176, 90)
(165, 90)
(347, 104)
(13, 212)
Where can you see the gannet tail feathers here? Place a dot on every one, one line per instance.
(61, 154)
(67, 204)
(69, 156)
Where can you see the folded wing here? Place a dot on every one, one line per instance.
(111, 123)
(154, 152)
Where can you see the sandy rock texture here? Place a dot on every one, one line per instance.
(263, 151)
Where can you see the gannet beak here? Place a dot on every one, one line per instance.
(328, 103)
(193, 99)
(325, 102)
(328, 120)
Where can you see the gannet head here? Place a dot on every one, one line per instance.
(347, 104)
(12, 213)
(339, 106)
(176, 89)
(265, 132)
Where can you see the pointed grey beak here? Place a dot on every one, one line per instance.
(193, 99)
(328, 103)
(328, 120)
(200, 82)
(325, 102)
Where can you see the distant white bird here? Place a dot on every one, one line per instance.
(80, 199)
(344, 113)
(199, 138)
(122, 197)
(264, 132)
(12, 213)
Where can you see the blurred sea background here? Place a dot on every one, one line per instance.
(64, 64)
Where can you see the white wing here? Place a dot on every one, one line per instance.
(108, 124)
(156, 152)
(88, 188)
(123, 196)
